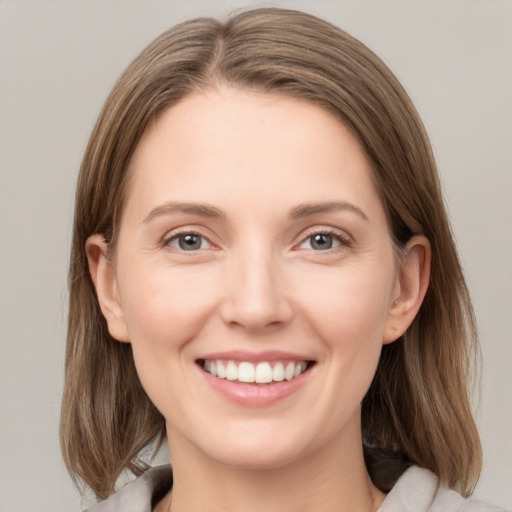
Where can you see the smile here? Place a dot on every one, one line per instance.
(261, 373)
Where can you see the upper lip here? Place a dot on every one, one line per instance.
(255, 357)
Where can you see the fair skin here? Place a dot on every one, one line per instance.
(253, 232)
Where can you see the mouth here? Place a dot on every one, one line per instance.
(263, 372)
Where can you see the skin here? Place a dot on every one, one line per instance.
(256, 283)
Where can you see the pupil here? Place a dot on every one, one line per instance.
(322, 242)
(190, 242)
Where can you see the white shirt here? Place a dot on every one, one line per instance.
(417, 490)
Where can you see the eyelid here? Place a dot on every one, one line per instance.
(344, 238)
(185, 230)
(340, 235)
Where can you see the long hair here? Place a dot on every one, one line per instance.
(417, 409)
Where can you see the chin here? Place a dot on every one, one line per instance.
(260, 445)
(264, 456)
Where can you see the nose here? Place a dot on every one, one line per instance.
(256, 295)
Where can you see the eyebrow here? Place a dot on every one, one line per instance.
(202, 210)
(307, 209)
(301, 211)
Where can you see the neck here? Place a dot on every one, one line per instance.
(333, 480)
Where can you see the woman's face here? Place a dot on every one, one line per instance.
(254, 246)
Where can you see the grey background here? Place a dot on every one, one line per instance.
(59, 59)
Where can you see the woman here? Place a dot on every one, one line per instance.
(263, 272)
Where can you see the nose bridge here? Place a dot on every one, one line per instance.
(256, 294)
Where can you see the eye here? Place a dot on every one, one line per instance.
(188, 242)
(323, 241)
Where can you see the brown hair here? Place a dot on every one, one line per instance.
(417, 409)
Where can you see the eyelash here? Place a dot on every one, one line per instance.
(342, 240)
(177, 235)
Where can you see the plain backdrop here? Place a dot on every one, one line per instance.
(58, 61)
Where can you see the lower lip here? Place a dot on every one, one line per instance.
(255, 395)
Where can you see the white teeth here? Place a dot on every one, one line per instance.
(289, 371)
(262, 373)
(278, 372)
(221, 371)
(246, 372)
(231, 371)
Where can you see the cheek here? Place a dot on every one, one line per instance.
(166, 307)
(348, 306)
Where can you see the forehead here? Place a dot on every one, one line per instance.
(227, 142)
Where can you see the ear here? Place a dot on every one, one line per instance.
(104, 279)
(412, 283)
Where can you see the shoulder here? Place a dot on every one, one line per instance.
(419, 490)
(137, 496)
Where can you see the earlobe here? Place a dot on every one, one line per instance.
(412, 284)
(104, 280)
